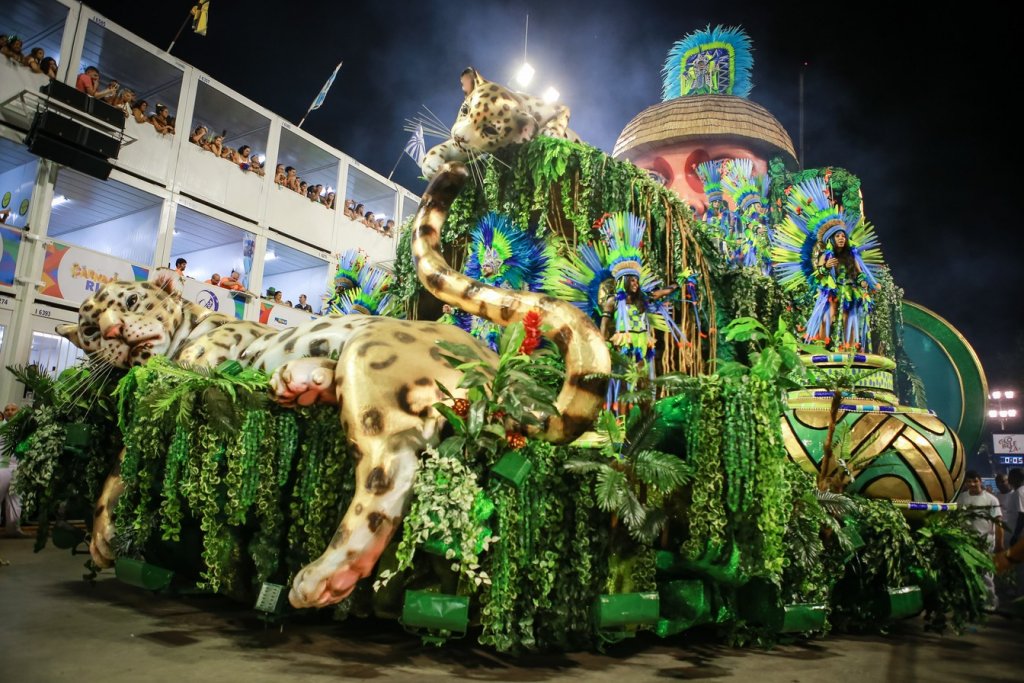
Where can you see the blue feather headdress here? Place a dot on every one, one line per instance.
(517, 258)
(370, 297)
(715, 61)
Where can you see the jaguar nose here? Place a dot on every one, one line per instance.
(114, 331)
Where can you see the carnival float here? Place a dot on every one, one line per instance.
(745, 448)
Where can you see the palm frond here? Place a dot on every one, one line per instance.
(661, 470)
(837, 505)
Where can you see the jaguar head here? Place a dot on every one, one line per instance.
(126, 323)
(492, 117)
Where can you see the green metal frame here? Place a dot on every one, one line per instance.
(973, 384)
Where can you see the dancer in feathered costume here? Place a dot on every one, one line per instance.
(718, 215)
(838, 256)
(350, 265)
(610, 279)
(751, 228)
(503, 255)
(370, 297)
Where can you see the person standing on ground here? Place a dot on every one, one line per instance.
(9, 500)
(987, 522)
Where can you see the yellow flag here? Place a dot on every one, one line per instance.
(199, 16)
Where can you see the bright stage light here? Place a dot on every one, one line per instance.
(551, 95)
(524, 75)
(993, 413)
(1012, 412)
(1004, 413)
(997, 395)
(58, 199)
(1008, 394)
(270, 256)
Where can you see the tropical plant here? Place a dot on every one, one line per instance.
(634, 480)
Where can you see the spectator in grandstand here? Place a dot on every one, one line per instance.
(358, 211)
(241, 156)
(389, 228)
(214, 279)
(160, 121)
(139, 111)
(33, 59)
(291, 179)
(227, 153)
(257, 165)
(304, 188)
(123, 100)
(215, 145)
(12, 50)
(234, 282)
(331, 200)
(48, 67)
(369, 220)
(278, 297)
(89, 83)
(280, 175)
(350, 209)
(303, 306)
(289, 304)
(198, 135)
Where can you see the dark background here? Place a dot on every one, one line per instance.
(917, 105)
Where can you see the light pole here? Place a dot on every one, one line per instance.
(1002, 411)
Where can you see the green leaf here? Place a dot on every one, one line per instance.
(511, 339)
(611, 489)
(453, 418)
(664, 471)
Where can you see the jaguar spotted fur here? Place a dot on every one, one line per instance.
(383, 380)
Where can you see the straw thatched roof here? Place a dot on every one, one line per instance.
(704, 117)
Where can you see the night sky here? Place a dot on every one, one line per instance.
(918, 109)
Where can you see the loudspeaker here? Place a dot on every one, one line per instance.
(62, 92)
(57, 150)
(70, 132)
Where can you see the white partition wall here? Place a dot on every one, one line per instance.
(68, 233)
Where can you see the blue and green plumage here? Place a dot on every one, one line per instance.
(370, 297)
(715, 61)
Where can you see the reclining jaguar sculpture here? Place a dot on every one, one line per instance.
(383, 380)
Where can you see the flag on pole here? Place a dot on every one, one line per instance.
(416, 147)
(323, 91)
(200, 15)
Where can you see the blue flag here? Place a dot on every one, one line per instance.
(323, 91)
(416, 147)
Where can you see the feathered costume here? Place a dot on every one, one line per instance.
(805, 241)
(715, 61)
(370, 296)
(503, 255)
(350, 265)
(748, 193)
(585, 280)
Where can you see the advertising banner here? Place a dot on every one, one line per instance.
(9, 257)
(280, 316)
(74, 273)
(214, 298)
(1008, 444)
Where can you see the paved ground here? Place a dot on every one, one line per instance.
(56, 627)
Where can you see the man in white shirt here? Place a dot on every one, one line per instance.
(987, 522)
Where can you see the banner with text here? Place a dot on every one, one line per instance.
(281, 316)
(1008, 444)
(74, 274)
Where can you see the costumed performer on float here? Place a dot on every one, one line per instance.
(838, 256)
(503, 255)
(610, 279)
(350, 264)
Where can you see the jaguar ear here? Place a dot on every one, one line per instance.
(70, 332)
(167, 280)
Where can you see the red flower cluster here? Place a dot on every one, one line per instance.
(461, 407)
(515, 441)
(531, 323)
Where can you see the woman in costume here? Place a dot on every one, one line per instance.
(610, 279)
(748, 194)
(837, 256)
(350, 265)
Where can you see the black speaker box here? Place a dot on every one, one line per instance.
(62, 92)
(70, 132)
(57, 150)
